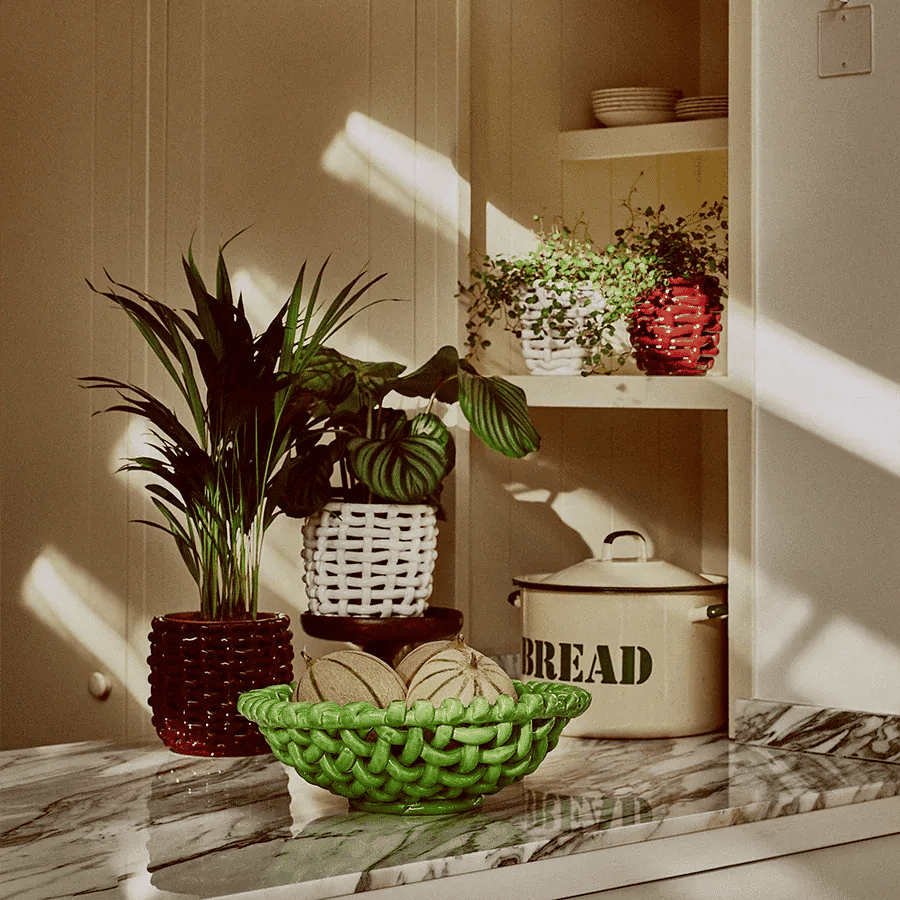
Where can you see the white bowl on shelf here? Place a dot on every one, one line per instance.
(636, 92)
(710, 107)
(614, 118)
(633, 104)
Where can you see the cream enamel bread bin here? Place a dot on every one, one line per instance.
(644, 636)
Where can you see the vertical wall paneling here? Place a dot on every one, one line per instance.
(456, 58)
(48, 104)
(120, 217)
(431, 177)
(130, 130)
(491, 39)
(393, 112)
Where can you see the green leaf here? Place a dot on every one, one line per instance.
(332, 383)
(437, 377)
(403, 469)
(498, 413)
(185, 546)
(429, 425)
(303, 484)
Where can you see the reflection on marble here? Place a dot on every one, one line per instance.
(816, 729)
(104, 820)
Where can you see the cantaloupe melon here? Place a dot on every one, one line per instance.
(345, 676)
(412, 662)
(461, 673)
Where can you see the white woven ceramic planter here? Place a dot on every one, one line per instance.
(557, 352)
(367, 559)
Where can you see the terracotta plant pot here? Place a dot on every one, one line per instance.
(675, 330)
(197, 670)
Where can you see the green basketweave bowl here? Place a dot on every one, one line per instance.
(419, 760)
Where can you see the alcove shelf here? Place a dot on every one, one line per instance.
(632, 391)
(696, 136)
(668, 456)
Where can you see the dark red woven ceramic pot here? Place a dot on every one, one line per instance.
(197, 670)
(675, 330)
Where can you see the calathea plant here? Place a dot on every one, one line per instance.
(365, 450)
(217, 471)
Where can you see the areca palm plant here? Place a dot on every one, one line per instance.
(216, 471)
(377, 452)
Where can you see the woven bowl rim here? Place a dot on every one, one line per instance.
(271, 707)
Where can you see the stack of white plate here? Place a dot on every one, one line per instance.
(634, 105)
(714, 106)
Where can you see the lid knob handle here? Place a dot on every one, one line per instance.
(639, 539)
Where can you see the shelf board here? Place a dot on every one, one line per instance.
(633, 391)
(644, 140)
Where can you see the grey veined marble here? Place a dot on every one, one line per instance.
(817, 729)
(102, 820)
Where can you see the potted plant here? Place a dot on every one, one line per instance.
(675, 324)
(215, 473)
(369, 483)
(558, 299)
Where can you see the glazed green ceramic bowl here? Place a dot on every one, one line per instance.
(421, 760)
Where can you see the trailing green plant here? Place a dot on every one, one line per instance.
(581, 289)
(217, 473)
(689, 246)
(370, 451)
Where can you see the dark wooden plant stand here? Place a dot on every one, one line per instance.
(385, 637)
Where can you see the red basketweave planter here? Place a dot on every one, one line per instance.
(675, 330)
(197, 670)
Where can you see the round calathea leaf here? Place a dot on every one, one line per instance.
(406, 468)
(428, 425)
(498, 413)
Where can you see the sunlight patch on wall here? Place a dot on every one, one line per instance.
(281, 567)
(828, 395)
(505, 236)
(136, 440)
(585, 511)
(777, 633)
(263, 297)
(406, 175)
(850, 654)
(81, 611)
(526, 494)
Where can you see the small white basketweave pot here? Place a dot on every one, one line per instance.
(557, 352)
(368, 559)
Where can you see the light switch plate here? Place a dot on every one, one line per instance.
(845, 41)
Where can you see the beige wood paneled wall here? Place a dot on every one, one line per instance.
(131, 130)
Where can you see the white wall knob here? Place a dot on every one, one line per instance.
(99, 685)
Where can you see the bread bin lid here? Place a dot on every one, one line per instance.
(608, 573)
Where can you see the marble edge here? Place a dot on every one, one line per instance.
(586, 840)
(818, 729)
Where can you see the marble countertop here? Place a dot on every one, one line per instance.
(109, 820)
